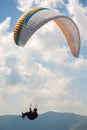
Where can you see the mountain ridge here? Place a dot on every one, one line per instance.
(45, 121)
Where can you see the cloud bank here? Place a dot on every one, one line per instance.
(44, 71)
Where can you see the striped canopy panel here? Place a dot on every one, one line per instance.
(33, 19)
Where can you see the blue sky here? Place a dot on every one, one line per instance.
(44, 71)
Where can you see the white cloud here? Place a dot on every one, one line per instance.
(26, 5)
(79, 15)
(4, 26)
(79, 64)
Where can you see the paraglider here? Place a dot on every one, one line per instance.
(33, 19)
(31, 114)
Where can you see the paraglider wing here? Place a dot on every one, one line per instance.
(32, 20)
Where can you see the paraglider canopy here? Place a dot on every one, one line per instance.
(33, 19)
